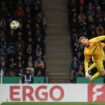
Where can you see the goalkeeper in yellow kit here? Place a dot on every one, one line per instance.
(94, 49)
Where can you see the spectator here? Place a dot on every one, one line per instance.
(100, 30)
(20, 12)
(30, 66)
(38, 51)
(27, 78)
(39, 67)
(2, 66)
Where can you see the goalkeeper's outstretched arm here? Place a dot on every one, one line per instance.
(98, 39)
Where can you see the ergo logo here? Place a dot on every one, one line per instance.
(39, 93)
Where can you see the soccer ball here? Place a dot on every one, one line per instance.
(14, 24)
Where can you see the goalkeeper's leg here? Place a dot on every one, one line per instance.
(100, 68)
(87, 75)
(91, 67)
(96, 75)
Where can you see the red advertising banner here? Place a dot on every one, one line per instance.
(96, 93)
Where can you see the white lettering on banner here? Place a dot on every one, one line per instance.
(96, 92)
(44, 93)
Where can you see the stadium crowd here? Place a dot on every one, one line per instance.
(86, 18)
(22, 49)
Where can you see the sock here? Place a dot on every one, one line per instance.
(96, 75)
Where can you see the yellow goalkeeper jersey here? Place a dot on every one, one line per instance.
(95, 50)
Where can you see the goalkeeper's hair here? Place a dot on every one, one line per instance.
(82, 37)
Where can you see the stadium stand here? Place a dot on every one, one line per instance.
(86, 18)
(22, 49)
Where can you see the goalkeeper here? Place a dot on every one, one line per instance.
(94, 49)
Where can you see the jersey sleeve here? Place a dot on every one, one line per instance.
(97, 39)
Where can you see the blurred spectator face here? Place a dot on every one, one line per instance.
(38, 52)
(82, 17)
(92, 26)
(19, 58)
(90, 6)
(28, 16)
(38, 46)
(20, 12)
(75, 58)
(29, 33)
(29, 47)
(90, 18)
(19, 36)
(19, 2)
(39, 15)
(81, 8)
(10, 51)
(3, 3)
(2, 34)
(30, 59)
(20, 65)
(100, 30)
(81, 67)
(36, 8)
(1, 58)
(11, 33)
(11, 73)
(27, 72)
(4, 8)
(80, 72)
(2, 24)
(20, 47)
(98, 8)
(38, 2)
(30, 64)
(38, 33)
(38, 39)
(39, 63)
(21, 72)
(12, 59)
(74, 15)
(2, 63)
(11, 66)
(30, 39)
(74, 20)
(73, 1)
(29, 21)
(37, 27)
(28, 26)
(19, 8)
(20, 53)
(28, 9)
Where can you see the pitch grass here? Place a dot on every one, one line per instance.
(52, 103)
